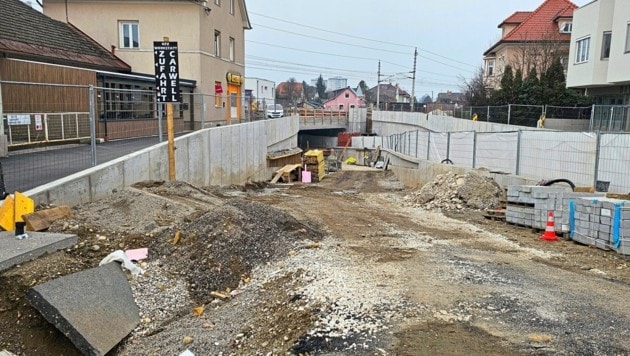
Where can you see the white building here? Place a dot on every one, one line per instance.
(599, 57)
(263, 91)
(336, 83)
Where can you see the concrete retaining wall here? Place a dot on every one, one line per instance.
(221, 156)
(385, 123)
(415, 173)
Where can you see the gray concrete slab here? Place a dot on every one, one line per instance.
(14, 251)
(94, 308)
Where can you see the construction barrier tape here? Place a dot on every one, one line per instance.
(571, 218)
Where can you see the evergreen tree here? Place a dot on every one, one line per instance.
(321, 88)
(531, 91)
(518, 83)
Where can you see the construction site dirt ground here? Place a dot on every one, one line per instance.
(344, 266)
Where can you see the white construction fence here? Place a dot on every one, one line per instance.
(586, 158)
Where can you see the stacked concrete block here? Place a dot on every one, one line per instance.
(529, 205)
(520, 205)
(586, 211)
(621, 242)
(566, 199)
(548, 199)
(597, 222)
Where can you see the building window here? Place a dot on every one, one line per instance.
(217, 43)
(129, 34)
(347, 95)
(490, 68)
(231, 49)
(217, 2)
(340, 106)
(606, 45)
(231, 7)
(566, 27)
(628, 38)
(582, 47)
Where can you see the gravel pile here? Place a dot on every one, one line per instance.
(451, 191)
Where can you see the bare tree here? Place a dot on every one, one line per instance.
(293, 92)
(475, 90)
(539, 54)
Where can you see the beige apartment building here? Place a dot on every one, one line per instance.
(210, 37)
(530, 39)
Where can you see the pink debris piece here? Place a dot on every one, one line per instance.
(137, 254)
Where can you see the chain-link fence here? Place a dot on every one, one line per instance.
(522, 115)
(67, 128)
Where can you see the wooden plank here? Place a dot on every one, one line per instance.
(618, 196)
(42, 219)
(277, 177)
(285, 170)
(584, 190)
(343, 153)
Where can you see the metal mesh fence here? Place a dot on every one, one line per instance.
(50, 134)
(610, 118)
(585, 158)
(565, 112)
(522, 115)
(613, 161)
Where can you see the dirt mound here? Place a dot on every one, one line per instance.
(451, 191)
(225, 244)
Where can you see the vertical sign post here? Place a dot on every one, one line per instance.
(167, 90)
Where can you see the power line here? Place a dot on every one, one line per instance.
(333, 32)
(307, 65)
(361, 38)
(332, 41)
(365, 47)
(314, 71)
(324, 53)
(448, 65)
(297, 71)
(450, 59)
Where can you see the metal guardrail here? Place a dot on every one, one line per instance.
(23, 128)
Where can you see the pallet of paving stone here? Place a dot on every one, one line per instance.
(495, 214)
(621, 242)
(597, 222)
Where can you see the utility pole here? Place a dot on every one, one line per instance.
(413, 80)
(378, 87)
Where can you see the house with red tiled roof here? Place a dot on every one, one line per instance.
(530, 39)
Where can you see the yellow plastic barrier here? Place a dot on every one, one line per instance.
(13, 210)
(7, 214)
(23, 205)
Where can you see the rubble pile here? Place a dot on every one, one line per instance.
(451, 191)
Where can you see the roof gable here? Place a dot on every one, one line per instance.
(244, 15)
(337, 93)
(516, 18)
(541, 22)
(27, 33)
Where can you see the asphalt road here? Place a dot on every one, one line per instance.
(25, 170)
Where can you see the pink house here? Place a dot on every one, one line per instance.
(344, 99)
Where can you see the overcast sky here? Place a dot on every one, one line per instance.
(302, 39)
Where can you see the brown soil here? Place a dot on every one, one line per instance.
(468, 285)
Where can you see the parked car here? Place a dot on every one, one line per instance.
(274, 111)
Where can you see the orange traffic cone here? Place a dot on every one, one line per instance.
(550, 230)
